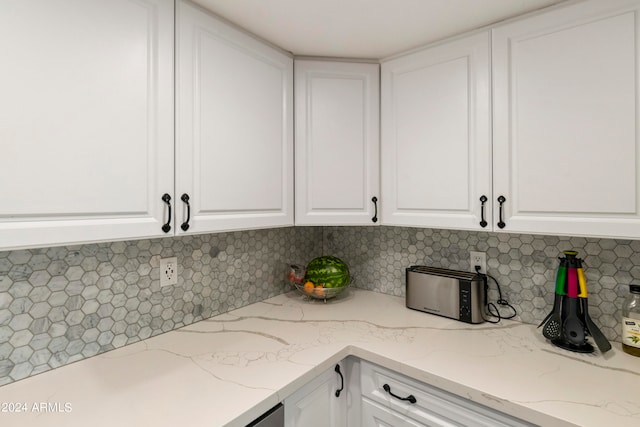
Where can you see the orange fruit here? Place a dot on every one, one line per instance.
(319, 290)
(309, 287)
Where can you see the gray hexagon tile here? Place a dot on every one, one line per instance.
(62, 304)
(59, 305)
(524, 265)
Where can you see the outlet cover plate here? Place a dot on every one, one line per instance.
(478, 258)
(168, 271)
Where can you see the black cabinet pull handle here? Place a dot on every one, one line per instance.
(483, 200)
(410, 398)
(501, 200)
(167, 199)
(374, 199)
(185, 199)
(337, 369)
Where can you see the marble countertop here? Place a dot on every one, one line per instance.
(228, 369)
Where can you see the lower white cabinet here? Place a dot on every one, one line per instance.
(316, 404)
(373, 396)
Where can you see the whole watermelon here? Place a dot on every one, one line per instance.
(329, 271)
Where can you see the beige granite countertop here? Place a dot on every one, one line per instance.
(228, 369)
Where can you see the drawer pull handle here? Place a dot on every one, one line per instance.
(410, 398)
(337, 369)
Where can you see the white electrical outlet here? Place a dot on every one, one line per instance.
(478, 258)
(168, 271)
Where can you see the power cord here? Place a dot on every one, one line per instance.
(491, 308)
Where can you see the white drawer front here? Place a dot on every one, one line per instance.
(376, 415)
(430, 404)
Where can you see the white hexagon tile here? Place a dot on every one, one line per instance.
(62, 304)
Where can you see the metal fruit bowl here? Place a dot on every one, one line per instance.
(320, 293)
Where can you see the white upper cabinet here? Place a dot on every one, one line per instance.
(436, 136)
(86, 120)
(234, 118)
(337, 143)
(566, 150)
(89, 150)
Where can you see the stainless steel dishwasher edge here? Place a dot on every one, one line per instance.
(274, 417)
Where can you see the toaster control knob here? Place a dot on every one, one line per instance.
(465, 314)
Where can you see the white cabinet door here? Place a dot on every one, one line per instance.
(86, 120)
(234, 147)
(566, 150)
(336, 143)
(316, 405)
(436, 135)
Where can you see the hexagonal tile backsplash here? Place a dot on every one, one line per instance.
(59, 305)
(524, 265)
(62, 304)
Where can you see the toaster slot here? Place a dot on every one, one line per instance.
(457, 274)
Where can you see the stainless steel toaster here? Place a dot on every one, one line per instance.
(456, 294)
